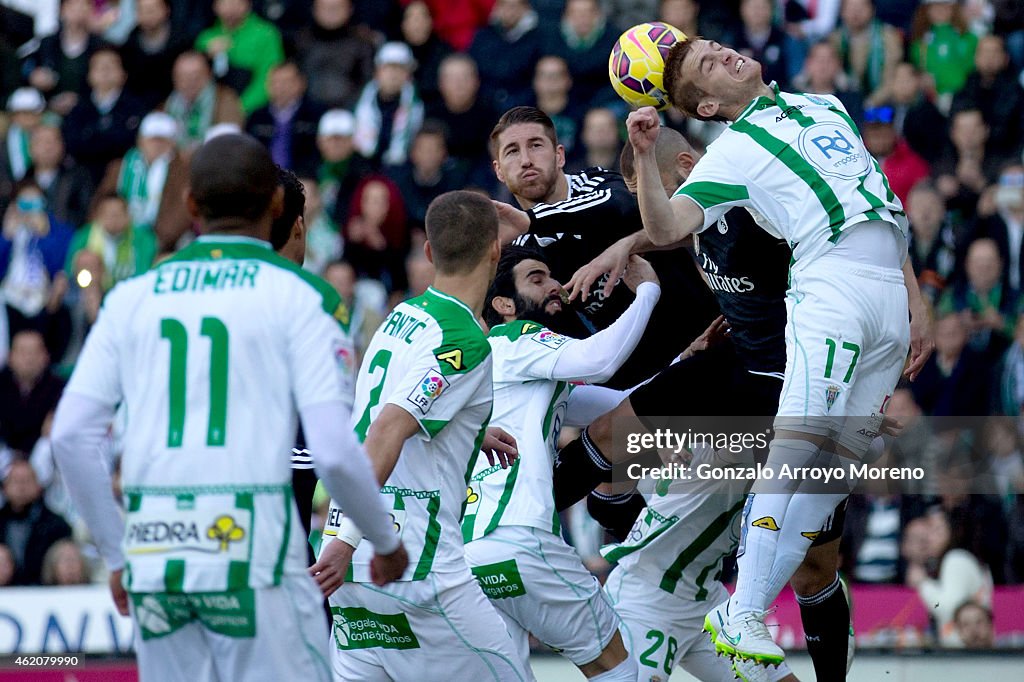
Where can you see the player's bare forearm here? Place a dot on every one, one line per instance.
(640, 243)
(922, 341)
(384, 441)
(665, 222)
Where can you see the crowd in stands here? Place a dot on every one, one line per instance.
(382, 105)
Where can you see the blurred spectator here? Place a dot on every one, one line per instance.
(1010, 396)
(40, 15)
(955, 380)
(289, 16)
(505, 52)
(551, 86)
(917, 120)
(323, 239)
(150, 51)
(335, 56)
(25, 107)
(1004, 459)
(973, 623)
(27, 526)
(60, 66)
(984, 299)
(28, 391)
(822, 73)
(103, 125)
(33, 246)
(902, 166)
(126, 250)
(993, 89)
(916, 445)
(468, 118)
(365, 300)
(584, 40)
(197, 102)
(376, 237)
(152, 178)
(868, 49)
(1009, 22)
(683, 15)
(810, 20)
(7, 566)
(243, 48)
(601, 141)
(427, 49)
(68, 187)
(932, 244)
(420, 271)
(287, 125)
(64, 565)
(871, 537)
(944, 576)
(760, 38)
(942, 46)
(626, 13)
(342, 168)
(1006, 224)
(455, 21)
(428, 174)
(967, 167)
(389, 111)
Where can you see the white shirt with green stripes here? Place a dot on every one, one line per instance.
(212, 353)
(431, 358)
(799, 165)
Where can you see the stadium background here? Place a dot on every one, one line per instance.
(936, 89)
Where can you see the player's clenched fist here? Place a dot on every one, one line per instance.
(387, 568)
(642, 126)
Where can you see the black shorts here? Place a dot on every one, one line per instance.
(710, 383)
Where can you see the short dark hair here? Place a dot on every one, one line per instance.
(684, 95)
(517, 116)
(669, 144)
(461, 227)
(504, 283)
(294, 207)
(435, 128)
(232, 176)
(972, 604)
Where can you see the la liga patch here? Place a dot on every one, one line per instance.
(549, 338)
(429, 389)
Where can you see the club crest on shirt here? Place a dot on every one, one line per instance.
(831, 393)
(429, 389)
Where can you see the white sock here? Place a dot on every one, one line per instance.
(807, 513)
(763, 518)
(627, 671)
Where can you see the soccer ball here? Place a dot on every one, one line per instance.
(637, 64)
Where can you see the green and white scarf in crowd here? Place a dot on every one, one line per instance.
(195, 118)
(142, 185)
(18, 152)
(874, 70)
(369, 119)
(118, 253)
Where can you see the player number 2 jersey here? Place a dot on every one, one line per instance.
(212, 352)
(798, 161)
(430, 357)
(531, 406)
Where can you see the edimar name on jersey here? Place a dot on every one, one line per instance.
(176, 278)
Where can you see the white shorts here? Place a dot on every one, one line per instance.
(662, 631)
(415, 631)
(847, 337)
(539, 585)
(274, 633)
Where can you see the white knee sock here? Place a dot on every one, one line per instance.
(763, 519)
(807, 513)
(627, 671)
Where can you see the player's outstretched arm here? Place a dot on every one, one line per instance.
(597, 358)
(79, 428)
(613, 262)
(922, 340)
(346, 472)
(665, 221)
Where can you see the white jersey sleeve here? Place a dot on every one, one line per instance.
(315, 336)
(716, 184)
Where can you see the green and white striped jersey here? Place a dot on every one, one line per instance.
(212, 353)
(531, 406)
(799, 163)
(688, 528)
(430, 357)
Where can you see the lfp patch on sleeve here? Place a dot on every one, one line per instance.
(549, 338)
(429, 389)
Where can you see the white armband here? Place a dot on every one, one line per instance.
(348, 532)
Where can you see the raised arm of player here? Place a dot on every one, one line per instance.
(665, 221)
(612, 261)
(597, 358)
